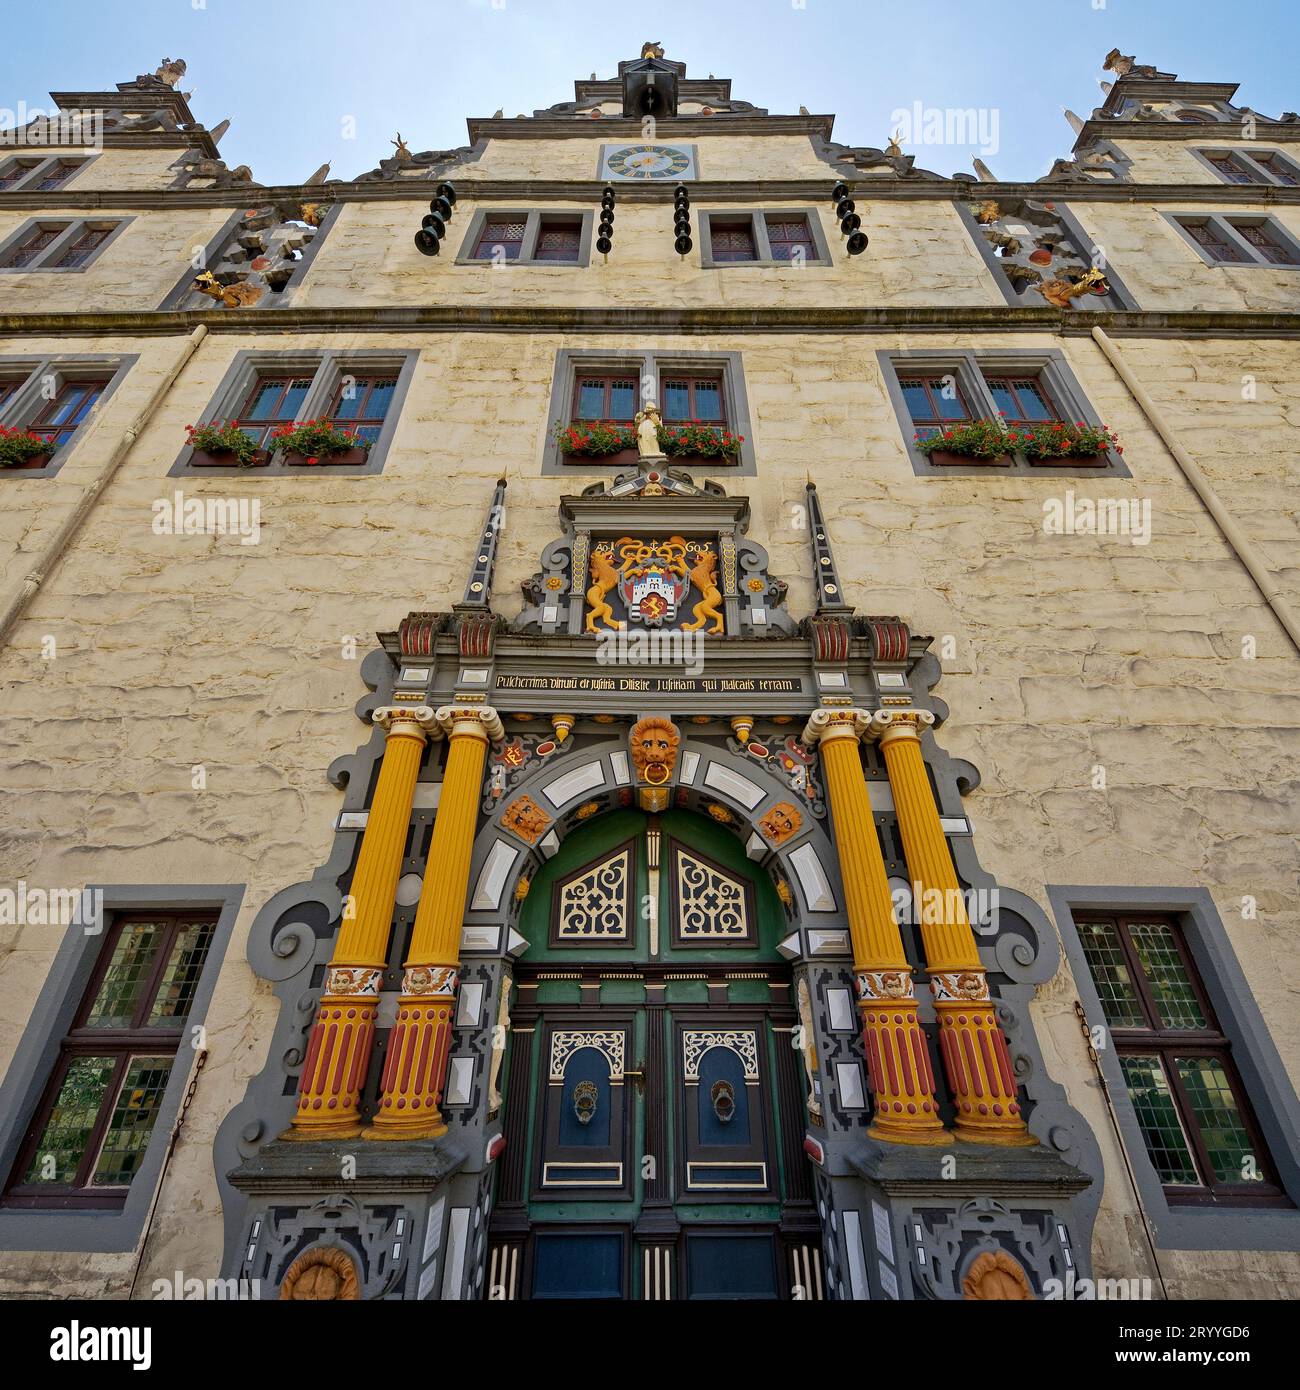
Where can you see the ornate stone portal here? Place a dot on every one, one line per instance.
(716, 720)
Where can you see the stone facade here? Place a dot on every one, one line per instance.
(1052, 656)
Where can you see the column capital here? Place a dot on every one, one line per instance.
(826, 724)
(476, 721)
(407, 719)
(889, 725)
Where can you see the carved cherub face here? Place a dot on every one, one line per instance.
(653, 745)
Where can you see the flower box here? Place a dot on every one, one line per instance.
(228, 458)
(348, 458)
(945, 458)
(1071, 461)
(622, 460)
(20, 449)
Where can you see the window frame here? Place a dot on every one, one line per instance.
(1207, 155)
(41, 168)
(758, 219)
(70, 229)
(99, 1229)
(1264, 1078)
(639, 364)
(122, 1045)
(1225, 225)
(21, 409)
(325, 368)
(532, 217)
(1168, 1044)
(970, 367)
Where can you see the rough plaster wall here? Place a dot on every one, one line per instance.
(134, 271)
(128, 169)
(720, 156)
(1170, 161)
(1162, 270)
(918, 250)
(1071, 652)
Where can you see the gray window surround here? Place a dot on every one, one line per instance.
(72, 227)
(568, 363)
(1266, 179)
(532, 227)
(1254, 1053)
(212, 254)
(968, 366)
(325, 369)
(42, 168)
(24, 1084)
(26, 403)
(1226, 225)
(758, 223)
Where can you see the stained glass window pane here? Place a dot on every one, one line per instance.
(1205, 235)
(134, 1113)
(1119, 998)
(265, 396)
(1162, 1131)
(591, 400)
(732, 242)
(708, 400)
(1279, 168)
(918, 402)
(558, 241)
(128, 972)
(1003, 398)
(1260, 239)
(622, 400)
(180, 976)
(947, 400)
(1033, 402)
(1167, 976)
(16, 172)
(1219, 1118)
(508, 236)
(677, 400)
(72, 1120)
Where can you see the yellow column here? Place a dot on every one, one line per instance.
(974, 1049)
(897, 1057)
(421, 1038)
(338, 1051)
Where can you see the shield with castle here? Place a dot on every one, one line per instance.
(651, 580)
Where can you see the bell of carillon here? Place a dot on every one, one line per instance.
(651, 707)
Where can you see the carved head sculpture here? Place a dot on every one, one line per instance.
(653, 744)
(323, 1275)
(995, 1275)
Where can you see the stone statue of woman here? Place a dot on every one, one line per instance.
(647, 431)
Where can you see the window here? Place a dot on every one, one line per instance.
(30, 249)
(500, 238)
(933, 391)
(40, 174)
(1233, 169)
(707, 387)
(697, 398)
(560, 239)
(265, 391)
(363, 401)
(12, 174)
(78, 251)
(1176, 1063)
(770, 237)
(933, 402)
(62, 416)
(1252, 166)
(92, 1128)
(1248, 240)
(271, 401)
(8, 390)
(1279, 167)
(523, 236)
(63, 245)
(790, 239)
(606, 396)
(732, 241)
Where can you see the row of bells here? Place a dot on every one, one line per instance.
(433, 225)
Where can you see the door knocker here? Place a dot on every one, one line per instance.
(723, 1097)
(585, 1096)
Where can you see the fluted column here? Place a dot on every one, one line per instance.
(897, 1058)
(338, 1051)
(974, 1049)
(416, 1068)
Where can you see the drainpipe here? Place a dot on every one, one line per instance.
(63, 537)
(1241, 545)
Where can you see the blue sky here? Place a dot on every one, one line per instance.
(321, 80)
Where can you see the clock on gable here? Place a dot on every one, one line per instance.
(636, 162)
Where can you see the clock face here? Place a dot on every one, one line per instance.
(649, 161)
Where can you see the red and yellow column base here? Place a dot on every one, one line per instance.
(418, 1050)
(977, 1061)
(338, 1053)
(898, 1061)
